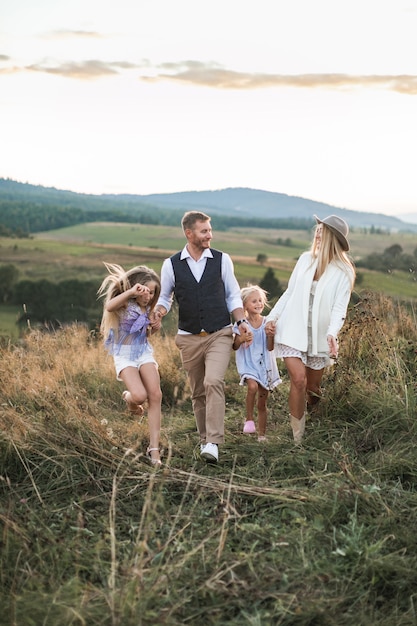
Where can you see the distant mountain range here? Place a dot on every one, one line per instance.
(410, 218)
(244, 203)
(247, 203)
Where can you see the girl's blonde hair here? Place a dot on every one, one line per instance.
(330, 250)
(245, 292)
(119, 281)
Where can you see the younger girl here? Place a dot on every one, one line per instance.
(127, 321)
(255, 363)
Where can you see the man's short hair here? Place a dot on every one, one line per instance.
(191, 217)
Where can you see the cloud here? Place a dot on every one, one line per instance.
(8, 69)
(215, 76)
(84, 70)
(66, 34)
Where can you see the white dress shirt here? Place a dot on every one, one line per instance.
(232, 289)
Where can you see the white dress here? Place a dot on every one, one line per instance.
(255, 361)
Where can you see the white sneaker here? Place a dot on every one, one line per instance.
(210, 452)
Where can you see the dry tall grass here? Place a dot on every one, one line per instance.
(324, 534)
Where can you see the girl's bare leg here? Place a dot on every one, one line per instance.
(136, 394)
(252, 388)
(262, 410)
(150, 378)
(145, 384)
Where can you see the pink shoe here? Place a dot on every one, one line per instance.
(249, 427)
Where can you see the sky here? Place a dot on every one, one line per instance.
(311, 98)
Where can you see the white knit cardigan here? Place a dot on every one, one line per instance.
(329, 307)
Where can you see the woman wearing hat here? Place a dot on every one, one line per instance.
(310, 313)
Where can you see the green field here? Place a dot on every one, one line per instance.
(244, 245)
(79, 252)
(234, 241)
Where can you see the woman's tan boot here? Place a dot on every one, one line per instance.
(298, 428)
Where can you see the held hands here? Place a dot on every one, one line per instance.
(158, 314)
(246, 336)
(270, 328)
(155, 321)
(156, 318)
(246, 339)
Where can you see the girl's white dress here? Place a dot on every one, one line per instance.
(255, 361)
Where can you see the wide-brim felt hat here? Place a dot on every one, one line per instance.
(338, 226)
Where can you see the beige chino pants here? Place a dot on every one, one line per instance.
(206, 360)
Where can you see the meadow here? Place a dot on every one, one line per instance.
(274, 535)
(321, 535)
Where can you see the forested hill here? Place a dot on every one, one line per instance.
(26, 208)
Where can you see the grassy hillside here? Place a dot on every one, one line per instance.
(321, 535)
(235, 240)
(79, 252)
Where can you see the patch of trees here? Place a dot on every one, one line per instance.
(20, 218)
(224, 222)
(284, 242)
(373, 230)
(54, 304)
(9, 275)
(43, 302)
(393, 258)
(8, 232)
(271, 285)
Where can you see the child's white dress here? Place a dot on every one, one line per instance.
(255, 361)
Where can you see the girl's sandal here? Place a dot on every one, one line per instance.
(149, 455)
(135, 409)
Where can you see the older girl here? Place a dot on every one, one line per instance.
(130, 298)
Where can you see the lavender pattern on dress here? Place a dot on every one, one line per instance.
(132, 331)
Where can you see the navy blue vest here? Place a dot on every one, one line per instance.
(202, 305)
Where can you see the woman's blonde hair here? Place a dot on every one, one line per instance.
(245, 292)
(330, 250)
(119, 281)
